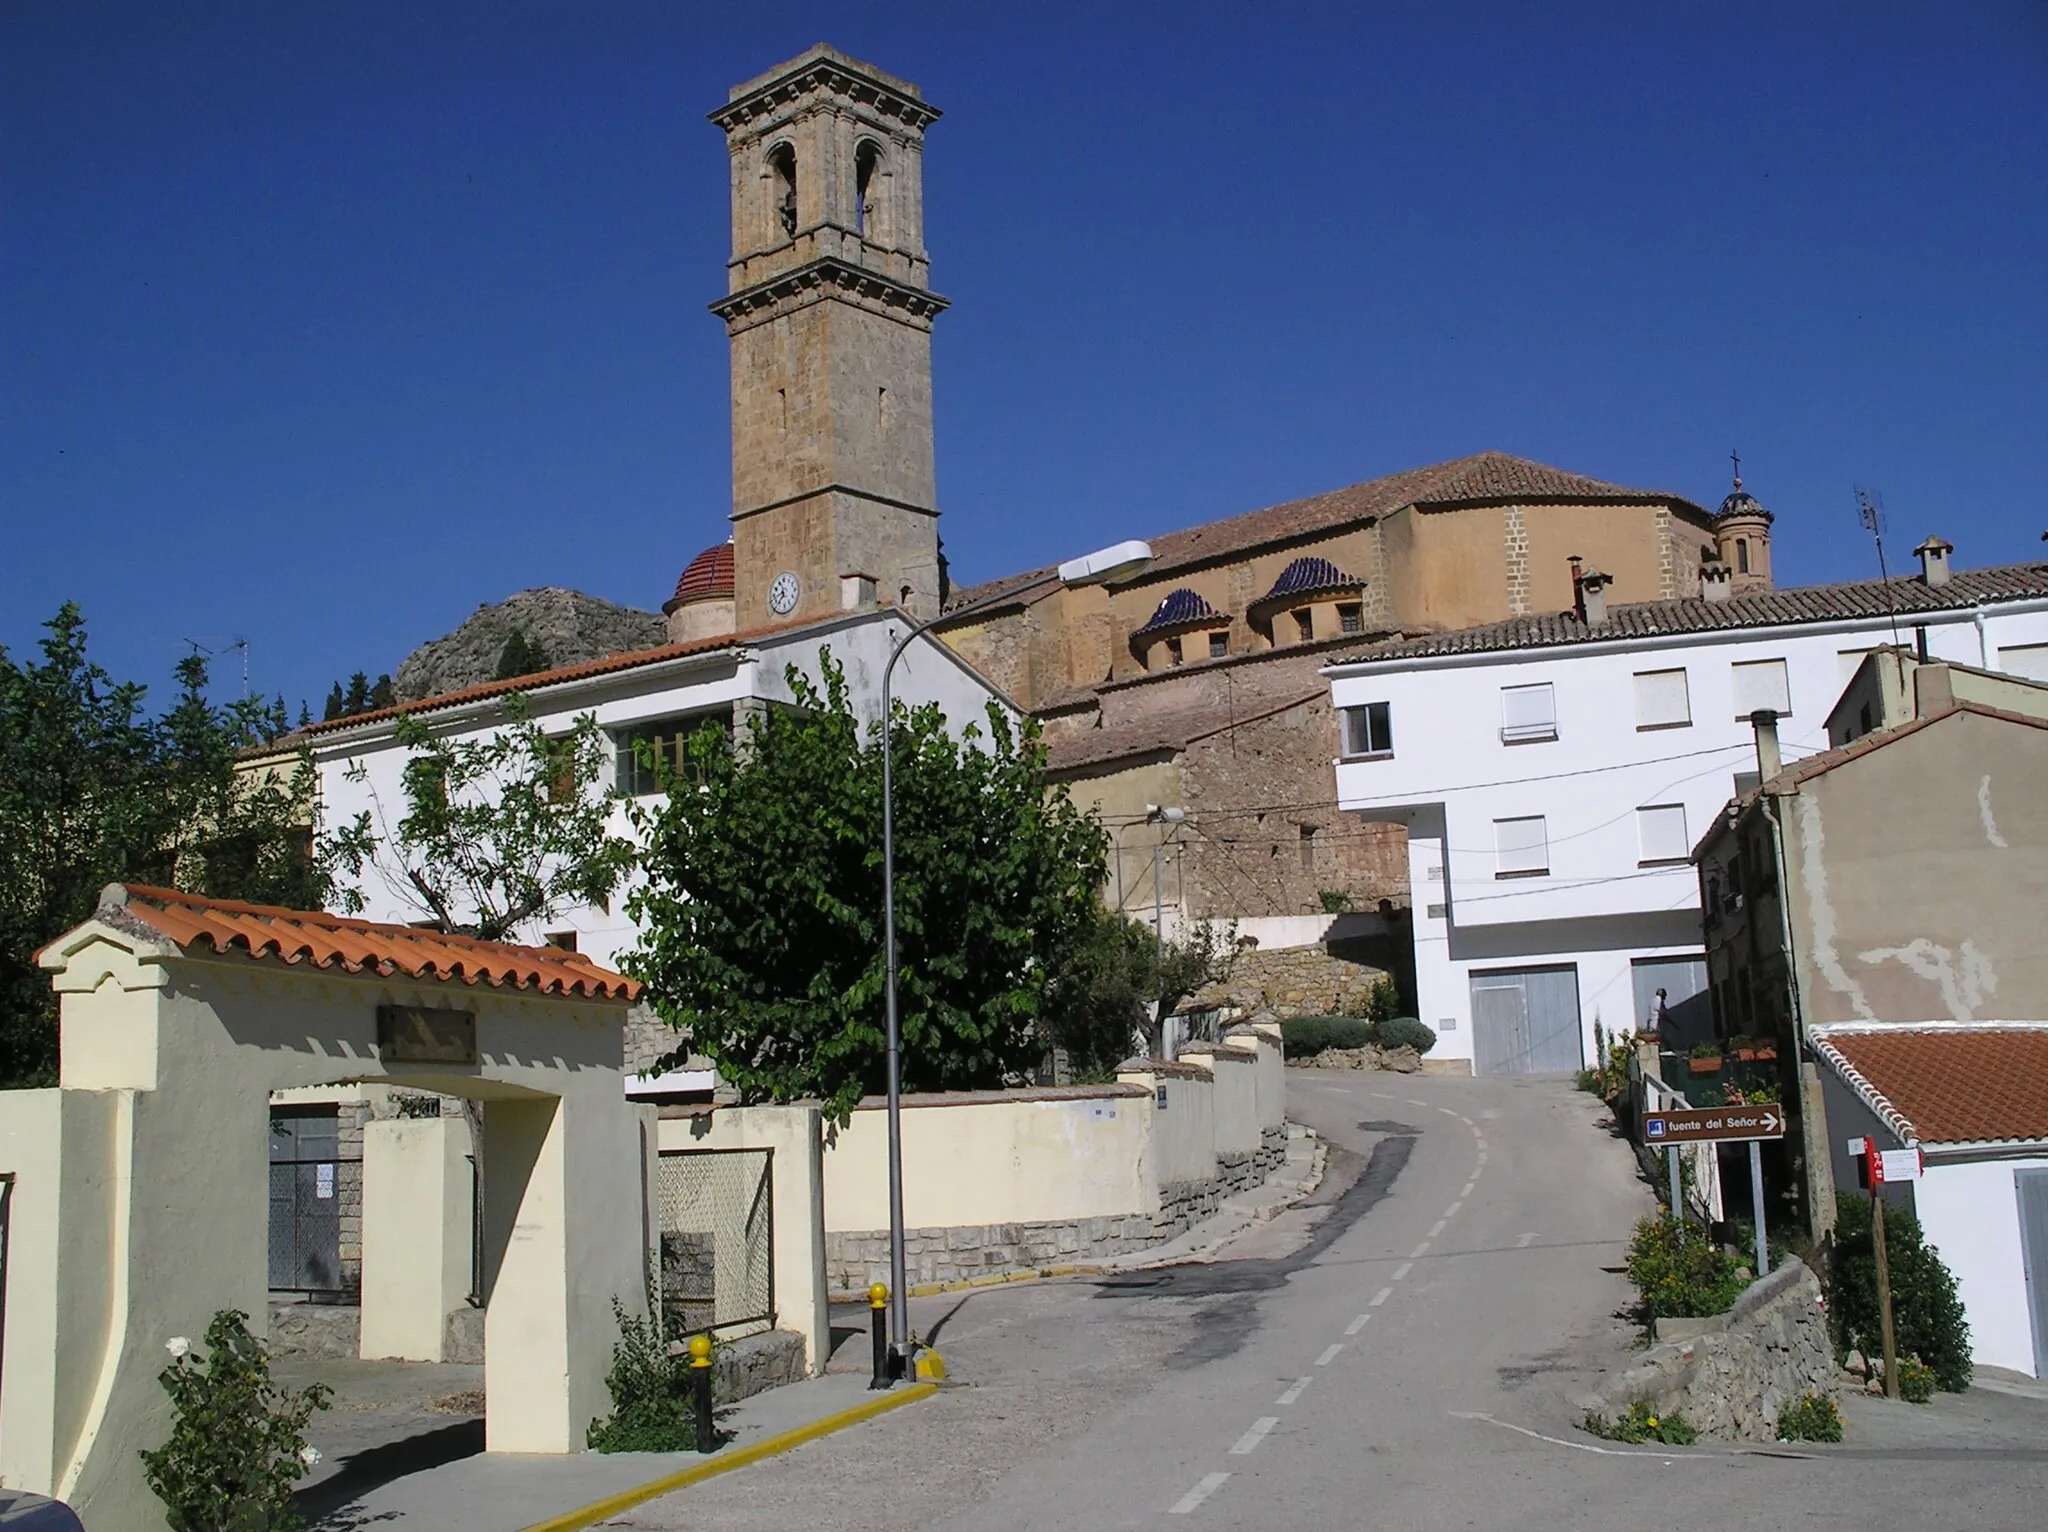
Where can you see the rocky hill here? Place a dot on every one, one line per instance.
(567, 627)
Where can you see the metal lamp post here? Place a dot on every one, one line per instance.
(1099, 568)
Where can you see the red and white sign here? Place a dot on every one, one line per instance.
(1888, 1164)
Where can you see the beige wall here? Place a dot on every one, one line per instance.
(1236, 1071)
(1182, 1147)
(1918, 874)
(417, 1217)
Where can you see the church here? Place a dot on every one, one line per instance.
(1185, 704)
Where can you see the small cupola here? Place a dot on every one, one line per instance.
(1934, 561)
(1742, 538)
(702, 606)
(1311, 599)
(1183, 616)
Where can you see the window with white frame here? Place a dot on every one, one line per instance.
(1662, 700)
(1521, 847)
(1368, 730)
(1761, 684)
(1527, 714)
(1661, 829)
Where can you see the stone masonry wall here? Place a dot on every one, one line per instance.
(1732, 1379)
(1295, 981)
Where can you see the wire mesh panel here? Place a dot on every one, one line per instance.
(717, 1243)
(308, 1177)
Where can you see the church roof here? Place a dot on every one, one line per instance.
(1483, 478)
(708, 574)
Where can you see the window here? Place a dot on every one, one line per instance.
(1761, 684)
(565, 940)
(1173, 654)
(667, 740)
(1368, 730)
(1521, 847)
(1742, 555)
(865, 159)
(1661, 829)
(1351, 617)
(1219, 645)
(2028, 660)
(1308, 848)
(1305, 625)
(782, 162)
(1527, 714)
(1662, 701)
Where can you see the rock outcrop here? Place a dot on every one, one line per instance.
(567, 626)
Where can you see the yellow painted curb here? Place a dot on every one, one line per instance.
(737, 1457)
(1001, 1279)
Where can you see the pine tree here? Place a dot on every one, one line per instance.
(382, 694)
(357, 698)
(335, 704)
(521, 656)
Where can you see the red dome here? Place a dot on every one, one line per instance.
(708, 574)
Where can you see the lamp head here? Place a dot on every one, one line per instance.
(1105, 566)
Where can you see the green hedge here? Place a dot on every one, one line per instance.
(1406, 1032)
(1927, 1315)
(1303, 1037)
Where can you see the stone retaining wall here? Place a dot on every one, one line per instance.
(744, 1368)
(1732, 1379)
(1295, 981)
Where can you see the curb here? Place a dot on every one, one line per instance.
(726, 1462)
(1002, 1279)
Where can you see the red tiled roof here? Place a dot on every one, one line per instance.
(1967, 1084)
(1476, 480)
(708, 574)
(267, 932)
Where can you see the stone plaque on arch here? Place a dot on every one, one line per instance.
(422, 1034)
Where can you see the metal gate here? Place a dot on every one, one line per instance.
(1688, 1012)
(1525, 1021)
(306, 1176)
(717, 1239)
(2032, 1188)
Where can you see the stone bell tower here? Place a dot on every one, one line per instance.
(834, 500)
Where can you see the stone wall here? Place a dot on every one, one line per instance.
(1733, 1377)
(1331, 979)
(755, 1364)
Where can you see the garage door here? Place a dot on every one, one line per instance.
(1525, 1021)
(2033, 1189)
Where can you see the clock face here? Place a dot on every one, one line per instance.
(782, 594)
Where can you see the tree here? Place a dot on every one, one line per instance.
(335, 703)
(499, 831)
(521, 656)
(93, 791)
(383, 694)
(357, 698)
(1101, 999)
(761, 915)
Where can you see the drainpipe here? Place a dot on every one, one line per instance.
(1813, 1120)
(1983, 642)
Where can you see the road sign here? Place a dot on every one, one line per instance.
(1715, 1124)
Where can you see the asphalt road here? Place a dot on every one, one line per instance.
(1399, 1352)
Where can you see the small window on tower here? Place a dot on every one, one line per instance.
(1305, 624)
(865, 159)
(1742, 555)
(1173, 656)
(1219, 645)
(1351, 617)
(782, 161)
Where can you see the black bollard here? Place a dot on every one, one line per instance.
(878, 1324)
(706, 1432)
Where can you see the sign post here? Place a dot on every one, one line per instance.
(1724, 1125)
(1875, 1161)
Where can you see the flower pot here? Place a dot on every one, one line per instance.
(1704, 1066)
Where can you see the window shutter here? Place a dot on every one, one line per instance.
(1521, 845)
(1528, 712)
(1662, 700)
(1661, 827)
(1761, 684)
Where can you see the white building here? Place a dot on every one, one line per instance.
(1554, 772)
(662, 694)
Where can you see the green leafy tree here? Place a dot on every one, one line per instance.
(383, 694)
(238, 1440)
(357, 698)
(521, 656)
(498, 830)
(1099, 1003)
(1927, 1313)
(335, 703)
(761, 917)
(94, 791)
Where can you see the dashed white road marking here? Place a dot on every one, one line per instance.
(1452, 1210)
(1357, 1324)
(1294, 1391)
(1438, 1227)
(1206, 1486)
(1403, 1269)
(1413, 1102)
(1380, 1297)
(1329, 1353)
(1446, 1111)
(1468, 1189)
(1524, 1242)
(1419, 1251)
(1255, 1435)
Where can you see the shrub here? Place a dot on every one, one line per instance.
(1643, 1424)
(1679, 1270)
(238, 1441)
(1407, 1032)
(1305, 1036)
(1384, 1000)
(650, 1387)
(1815, 1418)
(1927, 1316)
(1916, 1379)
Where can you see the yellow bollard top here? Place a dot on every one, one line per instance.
(878, 1296)
(700, 1351)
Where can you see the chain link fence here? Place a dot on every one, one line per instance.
(717, 1242)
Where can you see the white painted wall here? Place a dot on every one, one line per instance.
(1450, 777)
(1970, 1211)
(418, 1186)
(1236, 1071)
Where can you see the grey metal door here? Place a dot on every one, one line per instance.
(305, 1201)
(1526, 1021)
(2032, 1186)
(1688, 1012)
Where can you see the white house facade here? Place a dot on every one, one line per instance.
(1555, 771)
(664, 694)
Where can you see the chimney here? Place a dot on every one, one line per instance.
(856, 592)
(1768, 761)
(1593, 596)
(1717, 581)
(1934, 561)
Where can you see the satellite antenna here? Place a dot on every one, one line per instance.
(237, 642)
(1870, 510)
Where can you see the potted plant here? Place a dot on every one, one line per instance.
(1706, 1059)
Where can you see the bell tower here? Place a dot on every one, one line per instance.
(830, 318)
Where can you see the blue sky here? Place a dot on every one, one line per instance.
(324, 323)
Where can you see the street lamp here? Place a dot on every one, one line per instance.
(1102, 567)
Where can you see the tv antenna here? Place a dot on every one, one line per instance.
(234, 643)
(1870, 510)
